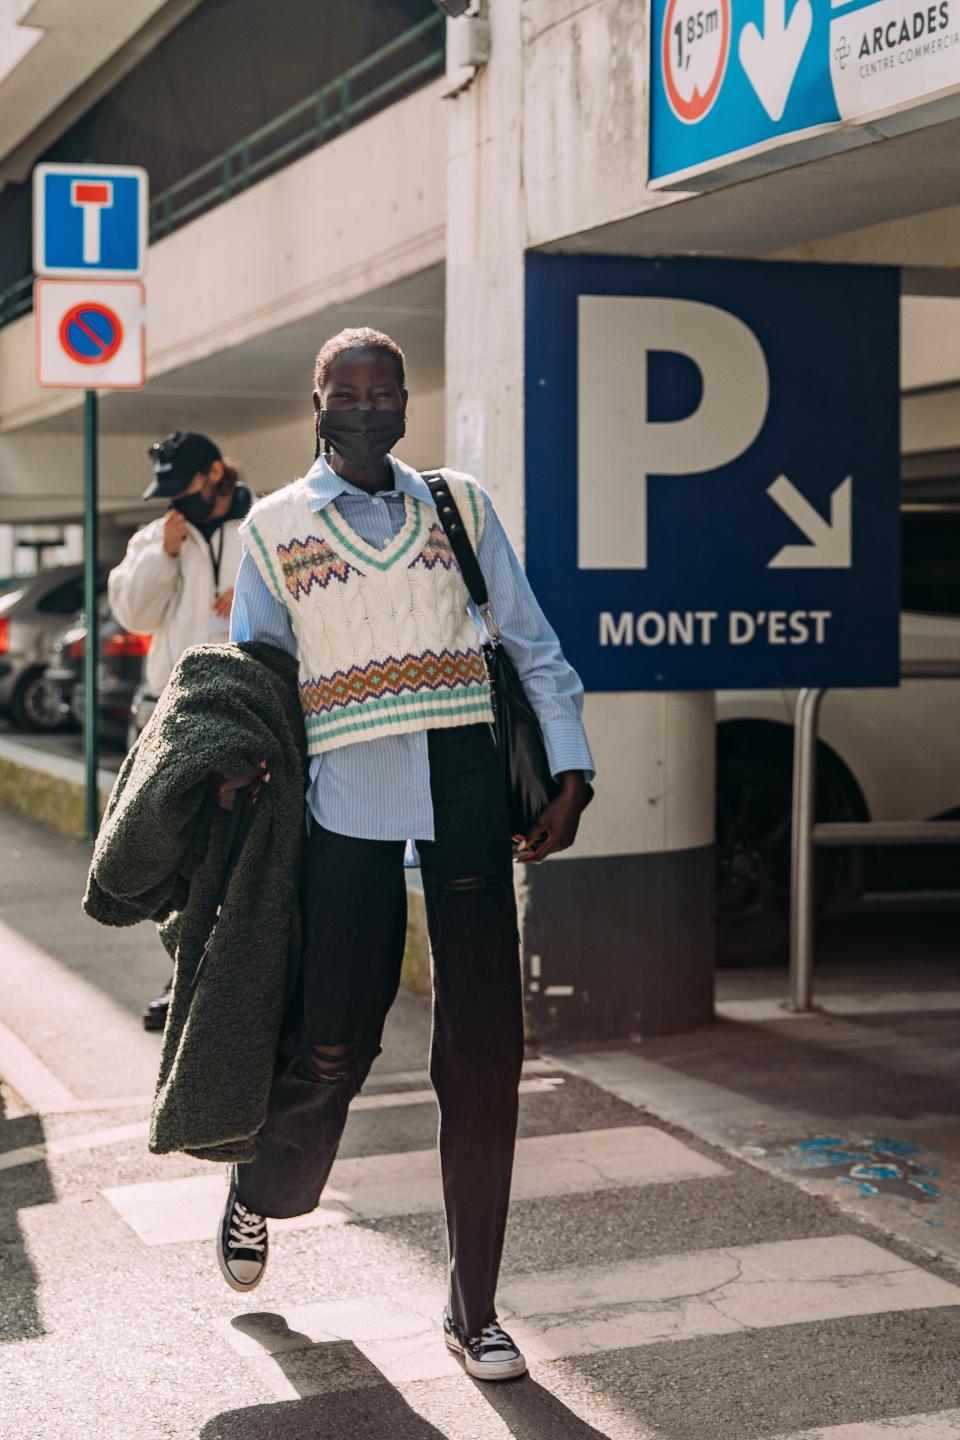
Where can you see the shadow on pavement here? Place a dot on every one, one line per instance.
(343, 1393)
(532, 1413)
(21, 1186)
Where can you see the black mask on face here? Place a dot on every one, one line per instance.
(362, 437)
(195, 508)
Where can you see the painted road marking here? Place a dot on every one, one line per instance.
(942, 1426)
(94, 1139)
(170, 1212)
(391, 1099)
(71, 1144)
(583, 1311)
(384, 1079)
(70, 1024)
(37, 1086)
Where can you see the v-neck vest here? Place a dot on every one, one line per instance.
(387, 645)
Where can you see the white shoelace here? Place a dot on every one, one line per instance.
(493, 1337)
(248, 1231)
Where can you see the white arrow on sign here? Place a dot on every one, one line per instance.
(830, 544)
(771, 60)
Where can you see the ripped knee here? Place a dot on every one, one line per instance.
(326, 1064)
(472, 882)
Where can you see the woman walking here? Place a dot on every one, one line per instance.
(351, 569)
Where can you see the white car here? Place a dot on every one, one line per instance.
(884, 755)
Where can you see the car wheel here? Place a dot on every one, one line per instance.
(754, 815)
(753, 860)
(36, 704)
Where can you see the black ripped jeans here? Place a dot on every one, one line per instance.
(356, 905)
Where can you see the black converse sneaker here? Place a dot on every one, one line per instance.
(241, 1242)
(491, 1355)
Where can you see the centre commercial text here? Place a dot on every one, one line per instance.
(895, 43)
(698, 627)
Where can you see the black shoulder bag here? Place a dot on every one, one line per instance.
(523, 757)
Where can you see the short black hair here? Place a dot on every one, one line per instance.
(358, 338)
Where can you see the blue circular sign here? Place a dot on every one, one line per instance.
(91, 333)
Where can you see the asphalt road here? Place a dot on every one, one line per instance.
(662, 1289)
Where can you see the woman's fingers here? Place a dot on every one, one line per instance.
(226, 790)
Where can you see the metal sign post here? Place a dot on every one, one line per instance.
(90, 233)
(91, 733)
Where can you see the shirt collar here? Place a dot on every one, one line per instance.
(324, 484)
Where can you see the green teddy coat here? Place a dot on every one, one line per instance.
(161, 854)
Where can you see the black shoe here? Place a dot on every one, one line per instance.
(155, 1015)
(491, 1355)
(241, 1242)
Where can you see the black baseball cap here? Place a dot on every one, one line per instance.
(176, 459)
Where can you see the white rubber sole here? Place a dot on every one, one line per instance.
(242, 1285)
(486, 1369)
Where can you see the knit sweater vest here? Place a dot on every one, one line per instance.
(387, 645)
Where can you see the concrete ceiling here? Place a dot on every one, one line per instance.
(906, 175)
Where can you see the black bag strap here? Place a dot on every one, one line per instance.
(456, 533)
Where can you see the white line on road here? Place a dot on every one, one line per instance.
(584, 1311)
(37, 1086)
(70, 1144)
(95, 1139)
(944, 1425)
(173, 1211)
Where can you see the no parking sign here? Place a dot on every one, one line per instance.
(90, 334)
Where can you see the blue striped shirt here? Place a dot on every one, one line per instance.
(380, 789)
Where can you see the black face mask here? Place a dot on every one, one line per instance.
(196, 509)
(362, 437)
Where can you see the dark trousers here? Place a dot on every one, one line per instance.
(355, 905)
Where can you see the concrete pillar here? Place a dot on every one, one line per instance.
(618, 934)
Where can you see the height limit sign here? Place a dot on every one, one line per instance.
(696, 47)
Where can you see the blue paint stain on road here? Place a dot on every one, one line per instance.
(876, 1165)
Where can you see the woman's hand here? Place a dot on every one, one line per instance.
(226, 790)
(223, 604)
(556, 828)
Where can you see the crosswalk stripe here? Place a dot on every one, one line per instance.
(393, 1099)
(584, 1311)
(115, 1134)
(944, 1425)
(386, 1079)
(168, 1212)
(71, 1144)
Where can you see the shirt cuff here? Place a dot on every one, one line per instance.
(567, 748)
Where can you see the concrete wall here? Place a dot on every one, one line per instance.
(308, 238)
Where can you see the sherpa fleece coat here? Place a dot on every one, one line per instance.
(161, 855)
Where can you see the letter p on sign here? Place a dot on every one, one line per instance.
(619, 447)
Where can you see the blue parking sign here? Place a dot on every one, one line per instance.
(89, 220)
(713, 470)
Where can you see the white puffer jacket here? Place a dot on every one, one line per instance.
(171, 596)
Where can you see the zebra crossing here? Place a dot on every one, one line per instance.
(614, 1314)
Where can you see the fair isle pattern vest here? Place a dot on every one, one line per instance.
(386, 642)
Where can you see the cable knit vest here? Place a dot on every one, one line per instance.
(387, 645)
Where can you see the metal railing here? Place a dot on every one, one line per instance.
(807, 834)
(336, 107)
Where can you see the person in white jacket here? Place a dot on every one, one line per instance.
(176, 581)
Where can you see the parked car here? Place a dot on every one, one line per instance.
(883, 755)
(119, 673)
(31, 612)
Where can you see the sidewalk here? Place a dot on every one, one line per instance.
(859, 1102)
(662, 1287)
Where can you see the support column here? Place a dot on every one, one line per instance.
(618, 934)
